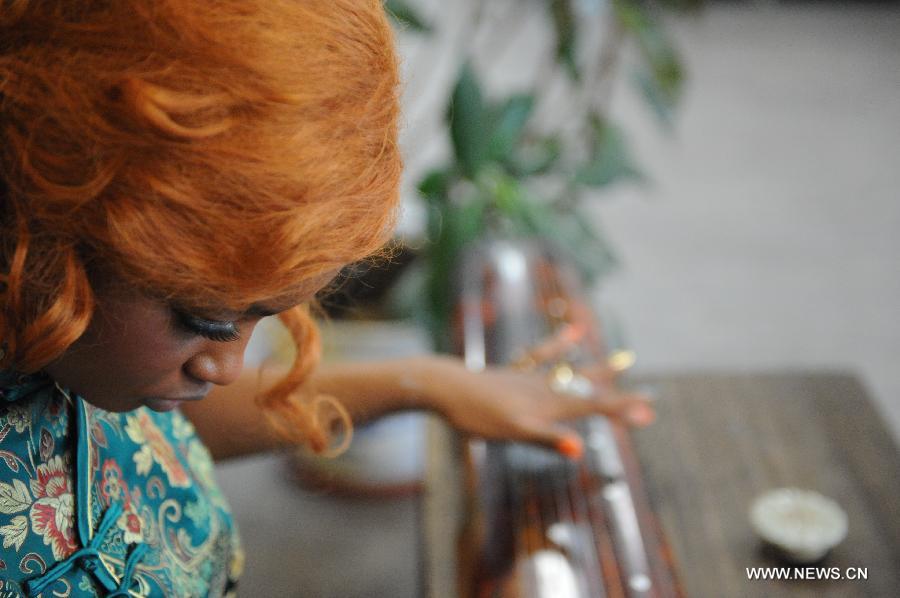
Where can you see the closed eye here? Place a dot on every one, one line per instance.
(216, 330)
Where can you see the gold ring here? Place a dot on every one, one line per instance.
(565, 380)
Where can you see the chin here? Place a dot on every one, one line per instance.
(161, 405)
(113, 405)
(123, 406)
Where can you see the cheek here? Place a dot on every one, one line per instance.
(147, 356)
(135, 356)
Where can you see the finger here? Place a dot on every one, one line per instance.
(555, 437)
(600, 375)
(551, 348)
(606, 372)
(641, 414)
(634, 409)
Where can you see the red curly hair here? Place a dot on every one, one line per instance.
(217, 154)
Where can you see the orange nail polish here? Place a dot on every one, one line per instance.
(571, 447)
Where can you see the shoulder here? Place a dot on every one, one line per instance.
(36, 478)
(33, 421)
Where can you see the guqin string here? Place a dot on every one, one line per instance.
(570, 530)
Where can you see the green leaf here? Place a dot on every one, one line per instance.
(564, 23)
(504, 192)
(470, 221)
(610, 160)
(535, 157)
(468, 120)
(508, 126)
(569, 231)
(663, 78)
(661, 103)
(436, 185)
(572, 233)
(404, 14)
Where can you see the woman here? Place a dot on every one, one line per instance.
(172, 172)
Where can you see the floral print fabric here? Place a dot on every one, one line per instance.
(152, 465)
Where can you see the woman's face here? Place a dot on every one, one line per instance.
(140, 351)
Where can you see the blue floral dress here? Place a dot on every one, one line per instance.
(94, 503)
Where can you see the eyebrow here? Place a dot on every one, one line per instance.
(259, 310)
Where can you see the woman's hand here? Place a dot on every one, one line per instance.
(503, 403)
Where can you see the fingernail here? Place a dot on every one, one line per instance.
(641, 415)
(571, 447)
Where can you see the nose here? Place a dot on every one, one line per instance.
(219, 363)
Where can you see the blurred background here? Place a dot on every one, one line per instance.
(726, 174)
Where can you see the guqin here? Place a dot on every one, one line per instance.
(509, 520)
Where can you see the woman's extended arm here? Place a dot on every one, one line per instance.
(497, 403)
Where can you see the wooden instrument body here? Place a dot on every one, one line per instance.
(535, 524)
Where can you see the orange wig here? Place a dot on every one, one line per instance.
(217, 154)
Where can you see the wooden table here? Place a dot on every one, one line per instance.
(722, 439)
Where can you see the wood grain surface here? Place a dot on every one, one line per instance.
(722, 439)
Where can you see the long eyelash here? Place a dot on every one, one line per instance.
(214, 330)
